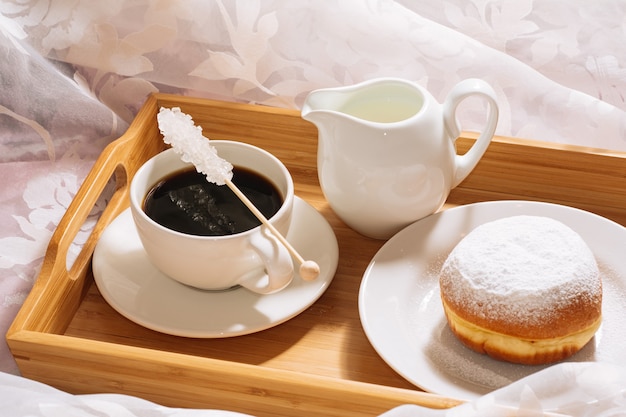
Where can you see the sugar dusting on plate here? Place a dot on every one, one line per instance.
(483, 374)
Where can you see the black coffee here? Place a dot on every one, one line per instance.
(188, 203)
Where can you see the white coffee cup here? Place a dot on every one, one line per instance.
(254, 259)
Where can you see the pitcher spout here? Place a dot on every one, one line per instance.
(322, 106)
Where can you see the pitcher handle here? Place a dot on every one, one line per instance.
(465, 163)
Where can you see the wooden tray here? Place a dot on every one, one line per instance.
(317, 364)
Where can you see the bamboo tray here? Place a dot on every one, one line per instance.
(317, 364)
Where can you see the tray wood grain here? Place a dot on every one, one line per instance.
(317, 364)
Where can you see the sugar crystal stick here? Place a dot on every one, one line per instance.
(186, 139)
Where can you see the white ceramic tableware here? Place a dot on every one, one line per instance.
(401, 312)
(136, 289)
(254, 259)
(386, 154)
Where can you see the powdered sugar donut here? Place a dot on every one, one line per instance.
(524, 289)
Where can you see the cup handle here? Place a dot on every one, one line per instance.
(465, 163)
(278, 264)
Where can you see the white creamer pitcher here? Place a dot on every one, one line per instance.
(386, 153)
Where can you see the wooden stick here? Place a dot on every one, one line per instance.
(309, 270)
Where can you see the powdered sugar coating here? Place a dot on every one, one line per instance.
(519, 269)
(186, 138)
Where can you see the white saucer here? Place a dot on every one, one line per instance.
(140, 292)
(401, 311)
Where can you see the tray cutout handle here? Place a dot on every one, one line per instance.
(56, 285)
(109, 200)
(108, 169)
(116, 165)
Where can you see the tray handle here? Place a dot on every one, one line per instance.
(118, 162)
(110, 166)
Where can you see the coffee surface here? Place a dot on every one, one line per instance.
(186, 202)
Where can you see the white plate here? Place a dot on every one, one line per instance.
(140, 292)
(401, 311)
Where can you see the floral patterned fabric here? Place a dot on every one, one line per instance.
(74, 73)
